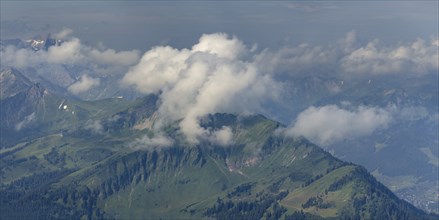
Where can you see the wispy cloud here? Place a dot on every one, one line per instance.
(26, 121)
(95, 126)
(348, 57)
(308, 6)
(419, 57)
(83, 84)
(156, 142)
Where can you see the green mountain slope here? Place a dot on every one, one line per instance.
(98, 174)
(36, 112)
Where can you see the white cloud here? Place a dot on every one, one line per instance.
(348, 58)
(111, 57)
(67, 52)
(71, 51)
(211, 77)
(83, 84)
(18, 58)
(418, 57)
(306, 59)
(298, 61)
(347, 43)
(412, 113)
(26, 121)
(157, 142)
(216, 44)
(220, 74)
(329, 124)
(158, 69)
(222, 137)
(188, 70)
(308, 6)
(94, 126)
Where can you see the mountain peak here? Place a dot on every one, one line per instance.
(36, 92)
(43, 44)
(12, 82)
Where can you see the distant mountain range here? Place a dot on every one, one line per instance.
(59, 77)
(62, 157)
(34, 44)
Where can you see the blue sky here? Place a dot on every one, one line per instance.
(144, 24)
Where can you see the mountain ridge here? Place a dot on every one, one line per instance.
(91, 170)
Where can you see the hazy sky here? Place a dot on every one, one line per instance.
(143, 24)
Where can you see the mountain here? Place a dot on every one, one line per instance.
(12, 82)
(34, 44)
(410, 140)
(90, 160)
(58, 77)
(30, 110)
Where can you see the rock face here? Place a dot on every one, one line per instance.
(21, 105)
(12, 82)
(21, 112)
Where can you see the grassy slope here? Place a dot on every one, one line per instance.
(182, 182)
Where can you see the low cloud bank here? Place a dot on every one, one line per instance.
(329, 124)
(61, 63)
(222, 74)
(350, 58)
